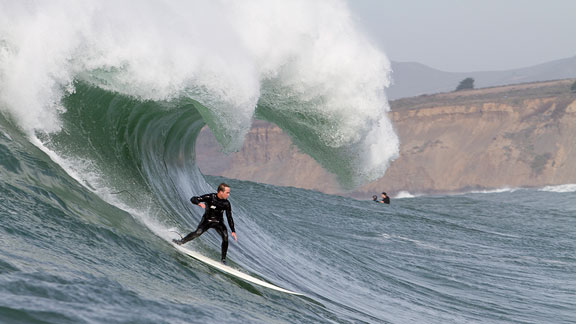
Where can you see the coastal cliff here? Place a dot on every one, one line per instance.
(513, 136)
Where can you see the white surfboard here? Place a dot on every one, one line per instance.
(230, 270)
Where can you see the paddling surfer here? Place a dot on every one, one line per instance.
(215, 205)
(385, 198)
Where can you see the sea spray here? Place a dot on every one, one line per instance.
(304, 64)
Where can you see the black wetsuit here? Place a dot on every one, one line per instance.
(213, 218)
(386, 200)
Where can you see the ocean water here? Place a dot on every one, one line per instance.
(97, 165)
(69, 256)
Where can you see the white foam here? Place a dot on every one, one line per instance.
(560, 188)
(86, 174)
(219, 53)
(404, 194)
(500, 190)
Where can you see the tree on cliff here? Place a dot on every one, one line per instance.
(573, 88)
(466, 84)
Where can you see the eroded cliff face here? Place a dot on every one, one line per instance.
(515, 136)
(268, 156)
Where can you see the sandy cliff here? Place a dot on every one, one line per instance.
(514, 136)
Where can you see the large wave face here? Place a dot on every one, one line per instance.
(300, 64)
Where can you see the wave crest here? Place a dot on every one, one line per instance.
(304, 64)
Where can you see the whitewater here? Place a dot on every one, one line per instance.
(101, 105)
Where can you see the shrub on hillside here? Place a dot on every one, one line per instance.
(466, 84)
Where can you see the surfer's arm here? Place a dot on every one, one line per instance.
(200, 200)
(231, 221)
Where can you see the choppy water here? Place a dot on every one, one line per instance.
(67, 256)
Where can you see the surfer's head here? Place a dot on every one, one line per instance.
(223, 191)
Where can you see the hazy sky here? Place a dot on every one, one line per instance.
(471, 35)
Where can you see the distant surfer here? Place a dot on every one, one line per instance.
(385, 198)
(215, 205)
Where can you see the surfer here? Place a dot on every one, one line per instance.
(215, 205)
(385, 198)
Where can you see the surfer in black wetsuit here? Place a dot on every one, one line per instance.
(385, 198)
(215, 205)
